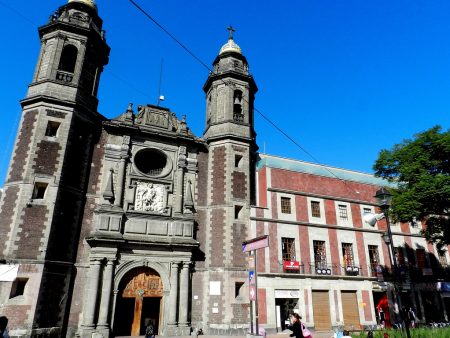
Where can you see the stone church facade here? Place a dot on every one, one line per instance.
(110, 223)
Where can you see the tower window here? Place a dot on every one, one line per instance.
(39, 190)
(52, 128)
(237, 106)
(18, 287)
(237, 211)
(237, 288)
(237, 161)
(68, 59)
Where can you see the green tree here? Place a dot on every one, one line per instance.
(420, 169)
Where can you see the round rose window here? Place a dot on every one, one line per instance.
(150, 161)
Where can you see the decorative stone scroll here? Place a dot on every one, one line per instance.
(149, 197)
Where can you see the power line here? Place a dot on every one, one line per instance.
(227, 84)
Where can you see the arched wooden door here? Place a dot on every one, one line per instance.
(142, 287)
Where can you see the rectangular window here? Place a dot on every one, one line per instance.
(237, 288)
(18, 287)
(285, 205)
(39, 190)
(343, 214)
(320, 257)
(52, 128)
(374, 259)
(421, 258)
(315, 209)
(367, 211)
(237, 211)
(347, 254)
(288, 249)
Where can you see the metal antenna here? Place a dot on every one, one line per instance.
(160, 97)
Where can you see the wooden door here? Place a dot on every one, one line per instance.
(350, 309)
(321, 310)
(141, 283)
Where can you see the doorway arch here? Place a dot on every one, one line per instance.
(140, 299)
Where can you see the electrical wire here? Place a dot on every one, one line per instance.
(183, 46)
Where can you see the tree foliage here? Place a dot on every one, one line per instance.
(420, 169)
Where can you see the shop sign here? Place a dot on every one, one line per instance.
(291, 265)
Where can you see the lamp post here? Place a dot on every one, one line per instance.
(384, 198)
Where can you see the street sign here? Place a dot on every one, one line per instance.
(291, 265)
(252, 292)
(251, 277)
(255, 243)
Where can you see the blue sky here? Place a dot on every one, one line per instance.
(345, 79)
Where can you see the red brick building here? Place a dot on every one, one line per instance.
(110, 223)
(325, 261)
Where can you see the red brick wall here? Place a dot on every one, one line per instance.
(218, 176)
(356, 215)
(362, 253)
(217, 240)
(7, 214)
(32, 232)
(302, 208)
(367, 308)
(305, 257)
(273, 247)
(262, 187)
(332, 235)
(262, 306)
(240, 314)
(202, 178)
(17, 315)
(239, 236)
(47, 157)
(330, 212)
(22, 146)
(239, 181)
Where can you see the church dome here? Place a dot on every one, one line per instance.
(90, 3)
(230, 46)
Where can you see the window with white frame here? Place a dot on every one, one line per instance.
(374, 258)
(443, 260)
(285, 205)
(343, 212)
(288, 249)
(320, 256)
(315, 209)
(347, 254)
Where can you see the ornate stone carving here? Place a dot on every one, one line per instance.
(149, 197)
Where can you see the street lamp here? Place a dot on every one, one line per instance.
(384, 198)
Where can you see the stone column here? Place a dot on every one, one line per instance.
(120, 177)
(184, 293)
(91, 294)
(180, 180)
(106, 295)
(173, 293)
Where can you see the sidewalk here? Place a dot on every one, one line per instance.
(284, 334)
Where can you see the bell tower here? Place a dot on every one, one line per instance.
(229, 187)
(45, 188)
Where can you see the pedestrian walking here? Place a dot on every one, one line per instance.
(3, 324)
(149, 329)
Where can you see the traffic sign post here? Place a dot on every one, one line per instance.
(250, 246)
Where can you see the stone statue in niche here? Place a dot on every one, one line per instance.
(149, 197)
